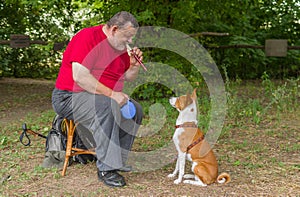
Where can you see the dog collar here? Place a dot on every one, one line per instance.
(187, 124)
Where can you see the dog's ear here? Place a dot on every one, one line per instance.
(194, 94)
(188, 100)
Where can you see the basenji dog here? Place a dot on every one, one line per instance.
(190, 143)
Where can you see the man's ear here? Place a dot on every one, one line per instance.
(114, 29)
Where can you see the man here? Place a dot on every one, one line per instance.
(89, 88)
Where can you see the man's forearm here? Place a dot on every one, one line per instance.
(132, 73)
(88, 82)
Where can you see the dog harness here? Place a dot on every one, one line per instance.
(191, 125)
(194, 143)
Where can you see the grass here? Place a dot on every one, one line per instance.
(260, 138)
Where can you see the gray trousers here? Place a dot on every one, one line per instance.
(113, 134)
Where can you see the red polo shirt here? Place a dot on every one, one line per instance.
(90, 48)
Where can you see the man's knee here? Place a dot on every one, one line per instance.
(139, 113)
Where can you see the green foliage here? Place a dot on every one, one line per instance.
(152, 91)
(41, 21)
(246, 63)
(280, 97)
(35, 62)
(285, 97)
(249, 22)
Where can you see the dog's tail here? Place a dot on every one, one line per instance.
(223, 178)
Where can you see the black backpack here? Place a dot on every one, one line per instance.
(57, 139)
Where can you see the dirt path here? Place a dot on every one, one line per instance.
(19, 97)
(263, 160)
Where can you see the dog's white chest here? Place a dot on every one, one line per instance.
(176, 135)
(176, 140)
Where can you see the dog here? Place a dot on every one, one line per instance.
(191, 145)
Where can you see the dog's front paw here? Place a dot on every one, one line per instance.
(177, 181)
(171, 175)
(188, 176)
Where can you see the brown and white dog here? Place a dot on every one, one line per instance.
(190, 144)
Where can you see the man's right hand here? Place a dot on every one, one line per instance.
(120, 97)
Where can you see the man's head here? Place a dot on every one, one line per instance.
(121, 20)
(121, 28)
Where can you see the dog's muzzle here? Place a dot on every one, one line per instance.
(172, 101)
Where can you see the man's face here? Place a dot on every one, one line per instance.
(121, 36)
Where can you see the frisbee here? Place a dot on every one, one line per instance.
(128, 110)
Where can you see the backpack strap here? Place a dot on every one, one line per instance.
(24, 133)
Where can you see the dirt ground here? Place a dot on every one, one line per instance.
(263, 160)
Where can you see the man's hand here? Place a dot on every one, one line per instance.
(120, 97)
(133, 70)
(139, 54)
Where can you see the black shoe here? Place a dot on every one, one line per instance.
(111, 178)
